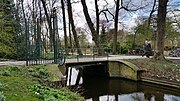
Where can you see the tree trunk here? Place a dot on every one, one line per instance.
(49, 23)
(161, 21)
(70, 38)
(115, 28)
(55, 34)
(100, 51)
(97, 19)
(26, 33)
(73, 27)
(64, 23)
(134, 41)
(95, 34)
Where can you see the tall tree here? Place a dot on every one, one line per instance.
(49, 21)
(97, 18)
(70, 14)
(64, 23)
(103, 40)
(95, 35)
(26, 31)
(70, 37)
(161, 21)
(115, 27)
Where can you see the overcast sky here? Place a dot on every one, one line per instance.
(127, 20)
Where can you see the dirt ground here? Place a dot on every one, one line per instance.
(168, 70)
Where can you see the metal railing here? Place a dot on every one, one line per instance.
(92, 53)
(69, 53)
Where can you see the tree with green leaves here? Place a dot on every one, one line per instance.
(142, 32)
(7, 30)
(172, 33)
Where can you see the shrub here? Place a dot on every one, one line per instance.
(14, 68)
(40, 72)
(5, 73)
(36, 74)
(49, 94)
(1, 86)
(167, 48)
(2, 97)
(50, 98)
(30, 69)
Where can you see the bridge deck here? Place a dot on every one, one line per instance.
(111, 57)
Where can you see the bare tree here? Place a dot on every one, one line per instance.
(128, 6)
(97, 18)
(48, 20)
(70, 36)
(115, 27)
(64, 23)
(26, 31)
(70, 14)
(94, 32)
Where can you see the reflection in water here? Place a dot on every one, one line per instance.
(117, 89)
(72, 76)
(171, 98)
(134, 97)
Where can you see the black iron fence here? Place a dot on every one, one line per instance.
(40, 56)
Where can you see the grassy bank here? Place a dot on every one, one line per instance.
(26, 84)
(167, 70)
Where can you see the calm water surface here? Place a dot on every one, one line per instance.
(116, 89)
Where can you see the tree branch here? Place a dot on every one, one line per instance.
(152, 11)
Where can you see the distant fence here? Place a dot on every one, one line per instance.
(47, 57)
(86, 53)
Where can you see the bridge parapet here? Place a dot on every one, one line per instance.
(114, 68)
(124, 69)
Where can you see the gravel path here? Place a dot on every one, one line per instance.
(111, 57)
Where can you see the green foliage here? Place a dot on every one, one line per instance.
(1, 86)
(107, 48)
(167, 48)
(5, 73)
(49, 94)
(22, 86)
(14, 68)
(82, 37)
(7, 31)
(40, 72)
(30, 69)
(6, 51)
(2, 97)
(172, 32)
(16, 88)
(103, 35)
(3, 59)
(143, 32)
(10, 70)
(50, 98)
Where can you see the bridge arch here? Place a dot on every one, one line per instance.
(111, 68)
(124, 69)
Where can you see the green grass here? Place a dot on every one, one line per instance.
(163, 70)
(49, 94)
(16, 85)
(4, 59)
(16, 89)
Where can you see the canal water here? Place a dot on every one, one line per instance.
(98, 88)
